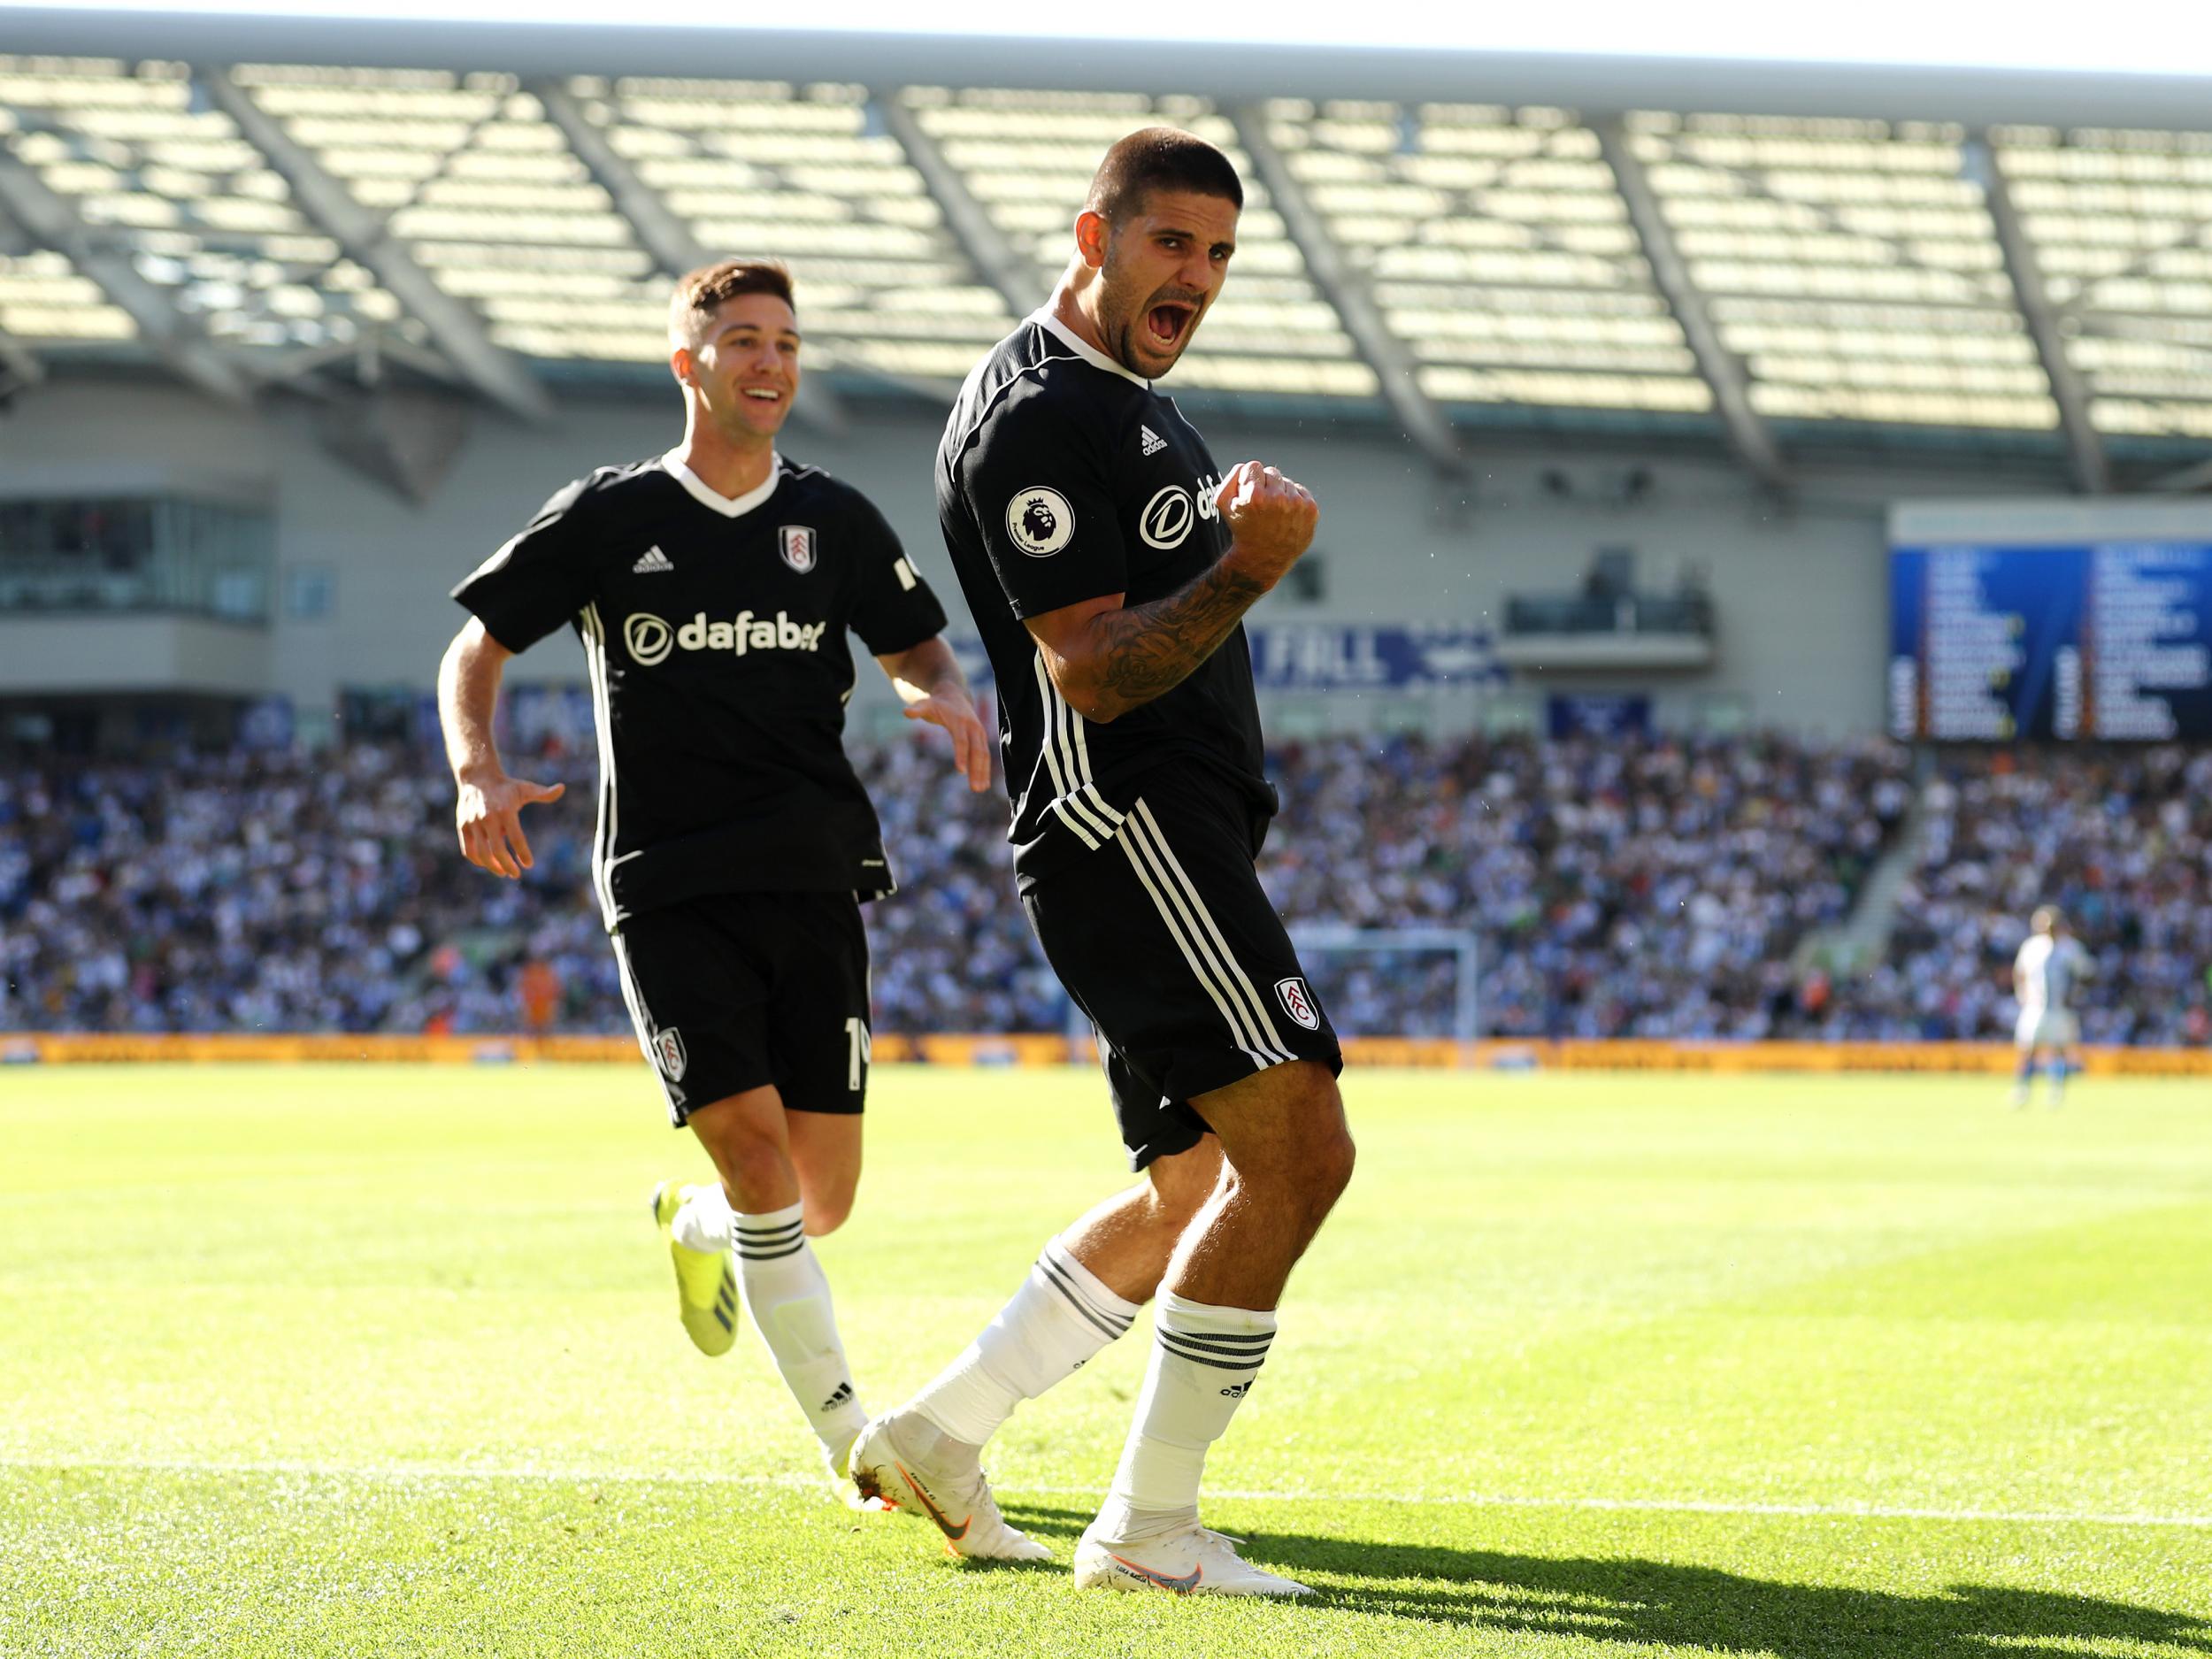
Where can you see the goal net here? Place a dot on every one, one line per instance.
(1396, 981)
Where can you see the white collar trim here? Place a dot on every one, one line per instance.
(707, 495)
(1075, 343)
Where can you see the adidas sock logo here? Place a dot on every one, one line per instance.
(844, 1393)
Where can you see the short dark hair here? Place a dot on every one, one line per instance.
(1159, 158)
(700, 293)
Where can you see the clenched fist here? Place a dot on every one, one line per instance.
(1271, 519)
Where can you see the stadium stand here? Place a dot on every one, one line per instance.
(1498, 248)
(2120, 841)
(1026, 157)
(2117, 222)
(1852, 264)
(1843, 274)
(186, 204)
(1762, 284)
(1647, 888)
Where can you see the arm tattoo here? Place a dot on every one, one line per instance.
(1144, 651)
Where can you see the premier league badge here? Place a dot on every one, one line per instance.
(797, 541)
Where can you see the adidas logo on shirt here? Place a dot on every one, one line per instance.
(654, 559)
(1153, 441)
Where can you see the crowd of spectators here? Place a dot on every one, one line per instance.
(1638, 887)
(2119, 839)
(1635, 886)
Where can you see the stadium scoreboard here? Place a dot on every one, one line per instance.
(2052, 622)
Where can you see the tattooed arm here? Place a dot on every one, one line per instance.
(1107, 658)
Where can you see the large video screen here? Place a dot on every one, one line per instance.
(1991, 642)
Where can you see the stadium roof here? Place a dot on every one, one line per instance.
(1790, 261)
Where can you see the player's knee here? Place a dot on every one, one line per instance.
(1333, 1158)
(1179, 1185)
(757, 1170)
(1326, 1154)
(826, 1211)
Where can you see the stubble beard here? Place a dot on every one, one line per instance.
(1125, 317)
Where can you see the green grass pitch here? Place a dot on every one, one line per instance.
(384, 1361)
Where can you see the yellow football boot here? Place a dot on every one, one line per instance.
(706, 1280)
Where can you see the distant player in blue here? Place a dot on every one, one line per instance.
(2050, 963)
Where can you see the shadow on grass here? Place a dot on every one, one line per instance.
(1628, 1599)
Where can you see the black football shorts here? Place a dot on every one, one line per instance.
(1165, 939)
(733, 991)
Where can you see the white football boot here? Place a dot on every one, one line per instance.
(887, 1466)
(1193, 1560)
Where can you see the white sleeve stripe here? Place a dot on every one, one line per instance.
(1237, 1032)
(1240, 980)
(603, 717)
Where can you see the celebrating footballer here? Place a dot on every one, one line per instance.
(712, 588)
(1109, 564)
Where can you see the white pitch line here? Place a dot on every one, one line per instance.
(397, 1474)
(1683, 1506)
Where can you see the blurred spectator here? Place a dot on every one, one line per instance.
(2119, 839)
(1644, 887)
(1647, 888)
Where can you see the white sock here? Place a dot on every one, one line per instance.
(703, 1220)
(788, 1298)
(1062, 1315)
(1204, 1361)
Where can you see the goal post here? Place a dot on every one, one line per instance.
(1396, 982)
(1381, 981)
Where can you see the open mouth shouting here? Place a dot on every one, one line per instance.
(1167, 323)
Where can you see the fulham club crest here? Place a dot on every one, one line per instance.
(668, 1053)
(1298, 1003)
(797, 541)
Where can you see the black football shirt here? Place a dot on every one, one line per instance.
(714, 639)
(1062, 477)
